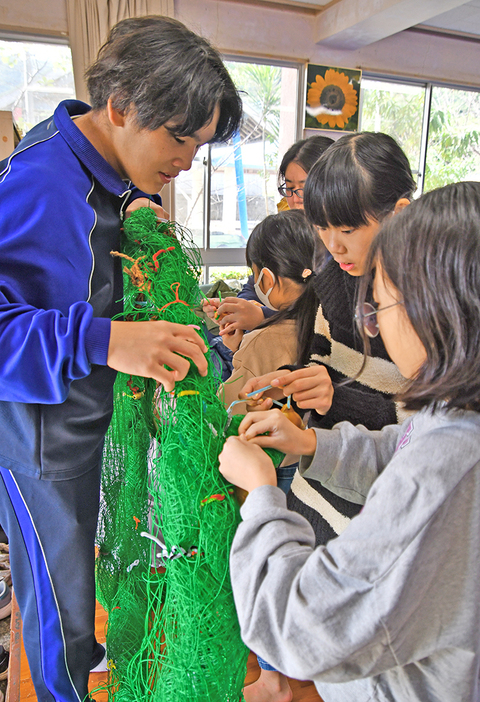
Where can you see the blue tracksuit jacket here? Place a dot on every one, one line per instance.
(61, 206)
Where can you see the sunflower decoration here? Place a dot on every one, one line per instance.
(332, 100)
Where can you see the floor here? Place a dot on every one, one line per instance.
(20, 688)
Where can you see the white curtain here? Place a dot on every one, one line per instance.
(89, 22)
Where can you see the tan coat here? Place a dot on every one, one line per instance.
(261, 351)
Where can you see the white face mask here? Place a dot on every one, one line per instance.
(263, 297)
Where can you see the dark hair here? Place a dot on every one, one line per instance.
(285, 243)
(359, 177)
(431, 254)
(304, 152)
(163, 71)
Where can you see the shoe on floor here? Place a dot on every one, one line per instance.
(5, 600)
(99, 659)
(4, 656)
(5, 573)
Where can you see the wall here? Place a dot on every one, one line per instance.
(34, 16)
(243, 29)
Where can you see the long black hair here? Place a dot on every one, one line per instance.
(285, 244)
(359, 177)
(431, 254)
(305, 152)
(166, 73)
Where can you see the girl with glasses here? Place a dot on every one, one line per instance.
(360, 181)
(292, 175)
(295, 166)
(388, 610)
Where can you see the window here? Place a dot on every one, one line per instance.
(453, 151)
(396, 109)
(231, 187)
(34, 78)
(438, 127)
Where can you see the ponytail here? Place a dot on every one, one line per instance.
(303, 311)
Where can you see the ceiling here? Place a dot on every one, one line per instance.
(351, 24)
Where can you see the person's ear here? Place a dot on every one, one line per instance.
(401, 204)
(116, 117)
(268, 280)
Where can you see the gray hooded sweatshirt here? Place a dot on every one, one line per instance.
(390, 609)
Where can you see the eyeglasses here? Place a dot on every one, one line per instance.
(366, 317)
(289, 192)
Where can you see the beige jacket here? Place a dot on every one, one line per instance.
(261, 351)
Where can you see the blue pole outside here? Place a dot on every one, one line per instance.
(242, 199)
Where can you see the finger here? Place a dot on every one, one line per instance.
(231, 441)
(254, 384)
(316, 393)
(309, 385)
(161, 213)
(263, 441)
(227, 308)
(321, 406)
(186, 348)
(260, 422)
(213, 301)
(248, 420)
(266, 426)
(165, 377)
(282, 381)
(260, 405)
(188, 335)
(230, 322)
(177, 364)
(247, 390)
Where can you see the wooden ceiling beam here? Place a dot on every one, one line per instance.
(351, 24)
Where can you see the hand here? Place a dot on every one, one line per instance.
(240, 313)
(145, 202)
(263, 400)
(246, 465)
(145, 348)
(282, 434)
(210, 307)
(311, 388)
(232, 339)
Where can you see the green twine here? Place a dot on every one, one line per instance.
(172, 630)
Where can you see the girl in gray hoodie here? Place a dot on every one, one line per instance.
(388, 611)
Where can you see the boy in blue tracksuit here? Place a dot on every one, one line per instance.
(158, 93)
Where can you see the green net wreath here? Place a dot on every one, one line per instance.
(167, 517)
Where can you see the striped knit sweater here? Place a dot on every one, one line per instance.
(338, 345)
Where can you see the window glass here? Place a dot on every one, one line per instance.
(453, 151)
(34, 78)
(395, 109)
(241, 176)
(235, 276)
(189, 196)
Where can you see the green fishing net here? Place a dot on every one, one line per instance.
(167, 516)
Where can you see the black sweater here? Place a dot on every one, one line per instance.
(337, 344)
